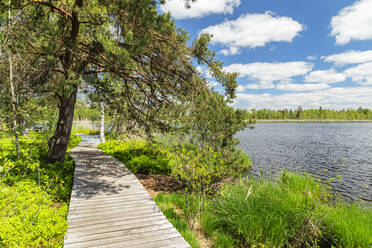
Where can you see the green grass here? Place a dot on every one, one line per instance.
(292, 211)
(34, 195)
(266, 213)
(168, 204)
(85, 131)
(139, 156)
(347, 225)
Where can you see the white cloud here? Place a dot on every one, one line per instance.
(285, 86)
(199, 8)
(230, 51)
(361, 73)
(353, 23)
(325, 77)
(265, 74)
(332, 98)
(350, 57)
(199, 69)
(253, 30)
(311, 57)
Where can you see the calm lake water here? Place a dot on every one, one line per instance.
(313, 147)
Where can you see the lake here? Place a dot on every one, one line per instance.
(340, 148)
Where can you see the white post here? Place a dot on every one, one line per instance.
(102, 123)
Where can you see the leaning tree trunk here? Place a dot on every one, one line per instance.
(59, 142)
(102, 123)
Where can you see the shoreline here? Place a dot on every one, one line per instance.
(313, 121)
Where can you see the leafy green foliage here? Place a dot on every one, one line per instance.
(294, 211)
(312, 114)
(139, 156)
(148, 67)
(34, 195)
(201, 168)
(28, 218)
(83, 111)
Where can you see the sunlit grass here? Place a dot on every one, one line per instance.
(293, 211)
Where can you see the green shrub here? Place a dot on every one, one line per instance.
(139, 156)
(74, 141)
(201, 168)
(34, 195)
(28, 218)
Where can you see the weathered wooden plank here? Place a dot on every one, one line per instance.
(134, 196)
(112, 219)
(129, 241)
(130, 232)
(175, 242)
(110, 208)
(116, 226)
(100, 218)
(107, 224)
(114, 205)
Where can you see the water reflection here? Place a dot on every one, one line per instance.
(340, 148)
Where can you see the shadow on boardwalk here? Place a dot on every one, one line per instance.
(110, 208)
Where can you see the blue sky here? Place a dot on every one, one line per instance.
(288, 52)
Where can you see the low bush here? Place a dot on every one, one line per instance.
(34, 195)
(293, 211)
(139, 156)
(202, 168)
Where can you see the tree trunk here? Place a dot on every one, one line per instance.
(12, 92)
(59, 142)
(14, 105)
(102, 124)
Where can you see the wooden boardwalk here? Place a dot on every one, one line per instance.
(110, 208)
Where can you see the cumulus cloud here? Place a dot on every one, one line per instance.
(199, 8)
(265, 74)
(311, 58)
(287, 86)
(361, 73)
(253, 30)
(325, 77)
(353, 23)
(230, 51)
(333, 98)
(350, 57)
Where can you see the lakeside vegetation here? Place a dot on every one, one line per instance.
(311, 115)
(293, 210)
(312, 121)
(34, 195)
(124, 63)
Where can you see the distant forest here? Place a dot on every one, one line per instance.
(312, 114)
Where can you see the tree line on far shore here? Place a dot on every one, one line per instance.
(312, 114)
